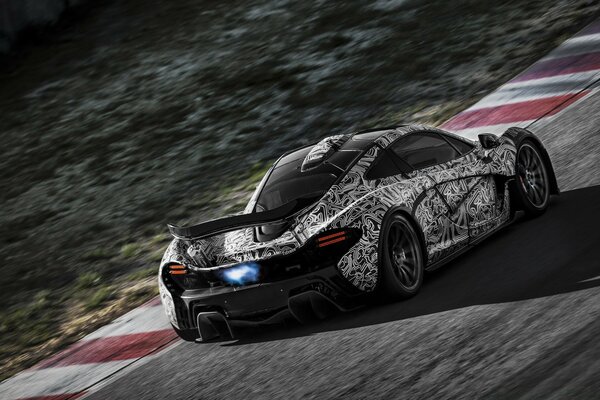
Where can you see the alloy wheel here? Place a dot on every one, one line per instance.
(532, 175)
(403, 253)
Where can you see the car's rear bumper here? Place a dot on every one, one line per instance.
(305, 297)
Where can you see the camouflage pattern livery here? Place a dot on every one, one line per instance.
(454, 204)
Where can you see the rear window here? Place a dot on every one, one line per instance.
(287, 182)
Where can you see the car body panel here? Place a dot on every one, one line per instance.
(356, 201)
(454, 204)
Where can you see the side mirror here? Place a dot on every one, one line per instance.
(488, 141)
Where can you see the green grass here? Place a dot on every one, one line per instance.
(97, 254)
(99, 297)
(29, 324)
(130, 250)
(88, 280)
(143, 273)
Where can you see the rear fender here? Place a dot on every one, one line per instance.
(405, 211)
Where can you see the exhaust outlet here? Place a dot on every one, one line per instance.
(312, 306)
(213, 324)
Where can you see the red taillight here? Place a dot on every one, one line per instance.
(177, 269)
(331, 238)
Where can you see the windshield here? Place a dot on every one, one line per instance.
(287, 182)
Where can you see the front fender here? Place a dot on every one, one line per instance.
(518, 135)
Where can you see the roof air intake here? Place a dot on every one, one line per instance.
(322, 151)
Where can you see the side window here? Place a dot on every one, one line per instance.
(382, 167)
(461, 145)
(424, 149)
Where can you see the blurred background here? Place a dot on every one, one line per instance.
(117, 117)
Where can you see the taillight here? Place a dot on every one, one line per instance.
(331, 238)
(177, 269)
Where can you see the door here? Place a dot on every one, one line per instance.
(480, 204)
(442, 209)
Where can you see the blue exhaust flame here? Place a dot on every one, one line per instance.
(242, 274)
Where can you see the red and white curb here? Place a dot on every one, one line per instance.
(549, 86)
(69, 374)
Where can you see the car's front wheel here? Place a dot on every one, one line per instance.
(401, 259)
(533, 179)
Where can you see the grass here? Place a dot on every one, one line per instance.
(34, 320)
(130, 250)
(88, 280)
(97, 254)
(101, 296)
(142, 273)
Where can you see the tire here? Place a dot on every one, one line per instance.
(402, 262)
(189, 335)
(532, 179)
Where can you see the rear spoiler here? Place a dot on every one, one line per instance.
(233, 223)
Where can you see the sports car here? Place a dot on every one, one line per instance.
(352, 216)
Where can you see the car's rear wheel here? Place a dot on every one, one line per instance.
(533, 182)
(402, 263)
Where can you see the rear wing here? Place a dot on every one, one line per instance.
(233, 223)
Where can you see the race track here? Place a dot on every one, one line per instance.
(516, 317)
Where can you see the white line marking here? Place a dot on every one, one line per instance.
(582, 38)
(510, 97)
(69, 379)
(516, 92)
(471, 133)
(139, 320)
(577, 78)
(585, 44)
(597, 278)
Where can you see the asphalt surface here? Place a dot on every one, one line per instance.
(516, 317)
(573, 142)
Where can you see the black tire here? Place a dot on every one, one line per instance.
(402, 264)
(189, 335)
(532, 179)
